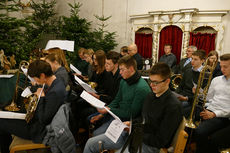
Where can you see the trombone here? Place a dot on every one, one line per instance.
(206, 73)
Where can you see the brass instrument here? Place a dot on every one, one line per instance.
(13, 107)
(206, 73)
(176, 80)
(226, 151)
(33, 102)
(92, 84)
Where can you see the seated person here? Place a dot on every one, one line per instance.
(128, 102)
(124, 51)
(61, 54)
(49, 103)
(112, 86)
(217, 113)
(212, 58)
(185, 63)
(59, 71)
(168, 58)
(161, 112)
(81, 64)
(190, 77)
(132, 50)
(88, 56)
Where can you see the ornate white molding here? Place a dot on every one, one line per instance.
(186, 19)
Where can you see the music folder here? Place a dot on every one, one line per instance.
(75, 69)
(84, 85)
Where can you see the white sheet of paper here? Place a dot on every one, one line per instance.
(111, 113)
(24, 70)
(84, 85)
(62, 44)
(92, 100)
(75, 69)
(114, 130)
(12, 115)
(26, 92)
(6, 76)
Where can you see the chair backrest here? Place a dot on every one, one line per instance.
(176, 136)
(179, 140)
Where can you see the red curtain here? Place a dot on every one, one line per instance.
(171, 35)
(144, 44)
(205, 41)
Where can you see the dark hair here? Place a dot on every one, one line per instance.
(124, 49)
(128, 61)
(114, 56)
(161, 69)
(168, 45)
(100, 57)
(37, 67)
(225, 57)
(200, 53)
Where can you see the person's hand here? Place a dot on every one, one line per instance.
(194, 90)
(127, 123)
(182, 98)
(95, 95)
(103, 111)
(39, 90)
(96, 118)
(207, 114)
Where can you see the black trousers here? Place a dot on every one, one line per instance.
(207, 137)
(221, 138)
(12, 126)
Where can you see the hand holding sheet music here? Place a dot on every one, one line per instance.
(84, 85)
(75, 69)
(116, 127)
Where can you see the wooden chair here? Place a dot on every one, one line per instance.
(19, 144)
(179, 140)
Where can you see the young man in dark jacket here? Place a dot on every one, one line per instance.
(161, 112)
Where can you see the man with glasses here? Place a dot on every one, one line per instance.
(161, 112)
(185, 63)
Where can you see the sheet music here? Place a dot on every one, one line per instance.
(92, 100)
(26, 92)
(6, 76)
(24, 70)
(12, 115)
(114, 130)
(111, 113)
(97, 103)
(75, 69)
(62, 44)
(84, 85)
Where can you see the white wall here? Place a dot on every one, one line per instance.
(122, 9)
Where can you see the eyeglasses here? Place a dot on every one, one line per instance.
(156, 82)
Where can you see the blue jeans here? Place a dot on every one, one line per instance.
(92, 145)
(149, 149)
